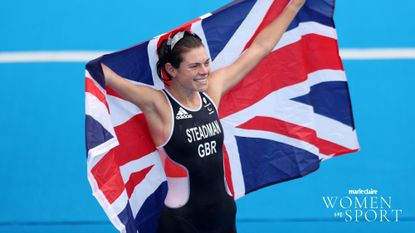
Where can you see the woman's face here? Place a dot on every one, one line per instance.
(194, 70)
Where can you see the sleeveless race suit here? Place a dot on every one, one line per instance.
(196, 144)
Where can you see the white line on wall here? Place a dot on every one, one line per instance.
(49, 56)
(377, 53)
(84, 56)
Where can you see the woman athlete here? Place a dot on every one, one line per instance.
(184, 125)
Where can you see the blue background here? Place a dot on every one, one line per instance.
(42, 159)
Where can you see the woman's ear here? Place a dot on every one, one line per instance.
(170, 69)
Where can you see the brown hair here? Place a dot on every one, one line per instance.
(172, 53)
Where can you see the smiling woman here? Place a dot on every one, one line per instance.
(45, 45)
(183, 46)
(184, 123)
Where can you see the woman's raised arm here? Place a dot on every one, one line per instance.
(144, 97)
(225, 78)
(150, 101)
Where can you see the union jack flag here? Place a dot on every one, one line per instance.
(286, 116)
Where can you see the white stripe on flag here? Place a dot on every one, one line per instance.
(95, 154)
(141, 192)
(234, 160)
(152, 59)
(198, 29)
(281, 138)
(295, 34)
(148, 185)
(97, 110)
(113, 210)
(314, 78)
(278, 105)
(121, 110)
(89, 76)
(243, 34)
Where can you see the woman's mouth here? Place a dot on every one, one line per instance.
(201, 81)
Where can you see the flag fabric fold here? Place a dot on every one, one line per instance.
(288, 114)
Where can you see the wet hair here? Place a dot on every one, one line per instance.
(171, 50)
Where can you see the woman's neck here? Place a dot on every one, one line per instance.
(186, 97)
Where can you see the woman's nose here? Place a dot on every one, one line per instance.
(204, 69)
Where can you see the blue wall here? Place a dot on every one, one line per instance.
(43, 166)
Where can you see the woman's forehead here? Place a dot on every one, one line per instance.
(195, 55)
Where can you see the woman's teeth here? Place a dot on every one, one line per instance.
(201, 80)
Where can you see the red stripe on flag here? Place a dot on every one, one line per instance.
(174, 169)
(135, 142)
(228, 172)
(136, 178)
(295, 131)
(320, 52)
(108, 177)
(134, 138)
(286, 66)
(90, 87)
(110, 91)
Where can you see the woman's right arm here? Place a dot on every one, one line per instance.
(153, 103)
(144, 97)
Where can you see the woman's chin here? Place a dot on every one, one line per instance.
(201, 86)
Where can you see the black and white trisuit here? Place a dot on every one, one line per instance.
(200, 203)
